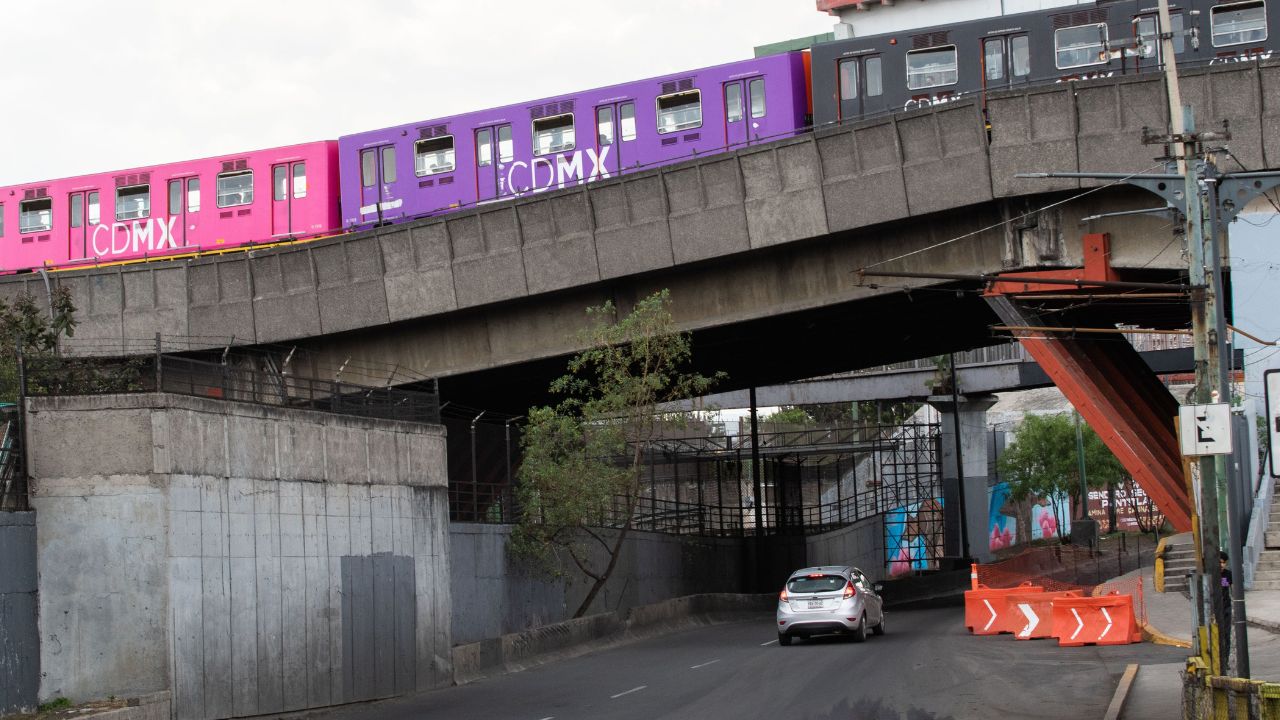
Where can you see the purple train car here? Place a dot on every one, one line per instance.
(437, 165)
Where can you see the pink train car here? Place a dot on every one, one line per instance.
(260, 196)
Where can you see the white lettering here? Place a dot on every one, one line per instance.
(167, 235)
(119, 231)
(598, 169)
(568, 169)
(511, 184)
(533, 175)
(97, 251)
(143, 232)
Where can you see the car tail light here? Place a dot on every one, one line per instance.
(782, 597)
(849, 591)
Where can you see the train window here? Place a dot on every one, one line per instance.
(934, 67)
(755, 89)
(733, 102)
(993, 58)
(389, 164)
(133, 202)
(506, 151)
(368, 168)
(1149, 44)
(235, 188)
(847, 69)
(77, 210)
(553, 134)
(1020, 49)
(433, 156)
(484, 150)
(679, 111)
(875, 85)
(604, 126)
(279, 182)
(627, 121)
(95, 209)
(193, 195)
(175, 197)
(299, 180)
(1238, 23)
(35, 215)
(1080, 46)
(1, 220)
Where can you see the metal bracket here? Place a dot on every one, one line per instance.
(1237, 190)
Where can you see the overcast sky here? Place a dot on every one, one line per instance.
(97, 85)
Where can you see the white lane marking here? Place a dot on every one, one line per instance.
(993, 615)
(1106, 615)
(769, 643)
(1079, 625)
(711, 662)
(549, 717)
(1032, 620)
(634, 689)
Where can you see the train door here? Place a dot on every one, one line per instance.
(615, 123)
(377, 175)
(177, 215)
(735, 118)
(493, 154)
(83, 216)
(859, 86)
(288, 183)
(1006, 62)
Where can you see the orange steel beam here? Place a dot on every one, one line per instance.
(1107, 382)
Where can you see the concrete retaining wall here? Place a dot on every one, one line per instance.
(249, 559)
(860, 545)
(494, 595)
(19, 635)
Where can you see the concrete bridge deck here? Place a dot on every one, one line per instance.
(759, 241)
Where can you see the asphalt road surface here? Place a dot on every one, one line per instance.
(927, 667)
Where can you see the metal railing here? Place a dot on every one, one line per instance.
(13, 476)
(60, 375)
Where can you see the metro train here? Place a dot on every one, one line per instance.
(447, 164)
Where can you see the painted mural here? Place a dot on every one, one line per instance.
(1031, 519)
(913, 537)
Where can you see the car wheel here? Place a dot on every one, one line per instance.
(879, 629)
(784, 639)
(860, 635)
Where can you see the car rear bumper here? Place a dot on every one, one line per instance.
(794, 623)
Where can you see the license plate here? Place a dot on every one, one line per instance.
(815, 604)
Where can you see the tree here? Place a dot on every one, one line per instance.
(789, 415)
(1043, 461)
(583, 458)
(23, 324)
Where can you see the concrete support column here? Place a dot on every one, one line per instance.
(972, 414)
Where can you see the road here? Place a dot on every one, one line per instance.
(926, 668)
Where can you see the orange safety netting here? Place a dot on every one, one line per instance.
(1061, 568)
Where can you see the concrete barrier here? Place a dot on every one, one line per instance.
(518, 651)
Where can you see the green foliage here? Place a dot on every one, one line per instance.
(582, 459)
(24, 324)
(58, 703)
(789, 415)
(1043, 461)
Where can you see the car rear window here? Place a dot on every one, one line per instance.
(810, 584)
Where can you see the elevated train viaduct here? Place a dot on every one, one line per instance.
(760, 250)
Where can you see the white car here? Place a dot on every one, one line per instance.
(831, 599)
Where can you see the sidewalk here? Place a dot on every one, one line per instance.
(1156, 693)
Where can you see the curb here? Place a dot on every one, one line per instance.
(1122, 693)
(1153, 635)
(571, 638)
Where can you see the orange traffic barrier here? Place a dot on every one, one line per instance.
(1028, 615)
(1102, 620)
(983, 605)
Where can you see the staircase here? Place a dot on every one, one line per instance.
(1267, 576)
(1179, 561)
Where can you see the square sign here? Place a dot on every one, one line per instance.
(1205, 429)
(1271, 380)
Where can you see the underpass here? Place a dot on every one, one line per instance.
(927, 667)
